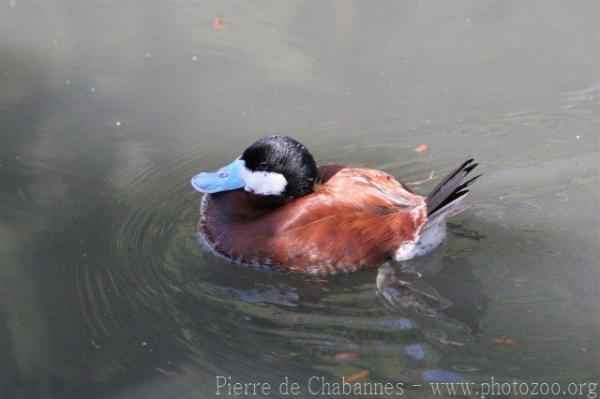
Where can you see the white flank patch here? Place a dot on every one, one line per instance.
(429, 239)
(407, 250)
(263, 183)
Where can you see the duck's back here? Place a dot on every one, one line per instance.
(354, 219)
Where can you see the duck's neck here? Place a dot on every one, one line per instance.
(265, 201)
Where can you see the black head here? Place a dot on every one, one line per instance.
(278, 165)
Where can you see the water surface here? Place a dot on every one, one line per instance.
(107, 109)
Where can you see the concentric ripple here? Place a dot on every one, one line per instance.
(181, 308)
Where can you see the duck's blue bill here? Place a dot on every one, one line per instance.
(224, 179)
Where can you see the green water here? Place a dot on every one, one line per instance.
(107, 109)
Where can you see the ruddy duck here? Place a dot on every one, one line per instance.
(274, 208)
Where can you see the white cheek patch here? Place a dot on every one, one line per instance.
(263, 183)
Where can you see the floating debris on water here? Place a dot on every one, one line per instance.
(162, 371)
(218, 23)
(506, 341)
(346, 356)
(421, 148)
(358, 376)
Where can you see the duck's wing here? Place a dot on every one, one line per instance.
(358, 218)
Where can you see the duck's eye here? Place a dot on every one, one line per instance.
(223, 175)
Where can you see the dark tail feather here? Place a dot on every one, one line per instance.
(451, 187)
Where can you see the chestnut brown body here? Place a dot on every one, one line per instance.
(355, 218)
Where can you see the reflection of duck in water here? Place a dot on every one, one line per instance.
(452, 292)
(273, 207)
